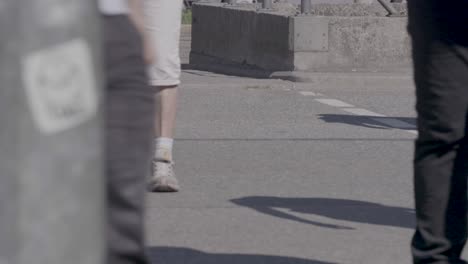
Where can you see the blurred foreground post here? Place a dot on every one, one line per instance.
(51, 165)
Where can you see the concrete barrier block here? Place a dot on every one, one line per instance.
(282, 41)
(368, 42)
(240, 35)
(308, 33)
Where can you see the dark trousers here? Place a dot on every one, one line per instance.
(440, 53)
(129, 131)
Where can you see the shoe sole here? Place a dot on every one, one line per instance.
(164, 188)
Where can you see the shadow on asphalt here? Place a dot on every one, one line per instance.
(367, 121)
(337, 209)
(177, 255)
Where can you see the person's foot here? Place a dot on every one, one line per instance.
(163, 178)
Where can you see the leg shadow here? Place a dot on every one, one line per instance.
(338, 209)
(376, 122)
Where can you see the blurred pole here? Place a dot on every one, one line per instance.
(305, 6)
(267, 4)
(51, 164)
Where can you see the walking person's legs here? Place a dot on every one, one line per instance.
(441, 153)
(129, 130)
(163, 24)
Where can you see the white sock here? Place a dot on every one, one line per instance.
(163, 149)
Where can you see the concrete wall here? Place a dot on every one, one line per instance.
(279, 41)
(372, 43)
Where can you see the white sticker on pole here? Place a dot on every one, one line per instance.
(61, 86)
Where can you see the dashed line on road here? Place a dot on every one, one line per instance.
(362, 112)
(383, 119)
(333, 102)
(308, 93)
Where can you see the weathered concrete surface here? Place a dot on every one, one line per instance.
(51, 184)
(358, 37)
(241, 36)
(374, 43)
(350, 10)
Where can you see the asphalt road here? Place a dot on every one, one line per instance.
(276, 172)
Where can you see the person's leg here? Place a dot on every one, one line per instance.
(164, 23)
(440, 164)
(165, 117)
(129, 131)
(440, 160)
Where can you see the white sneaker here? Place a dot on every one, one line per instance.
(163, 179)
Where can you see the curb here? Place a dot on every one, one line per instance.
(231, 70)
(383, 80)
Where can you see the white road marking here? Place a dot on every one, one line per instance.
(333, 102)
(391, 122)
(307, 93)
(362, 112)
